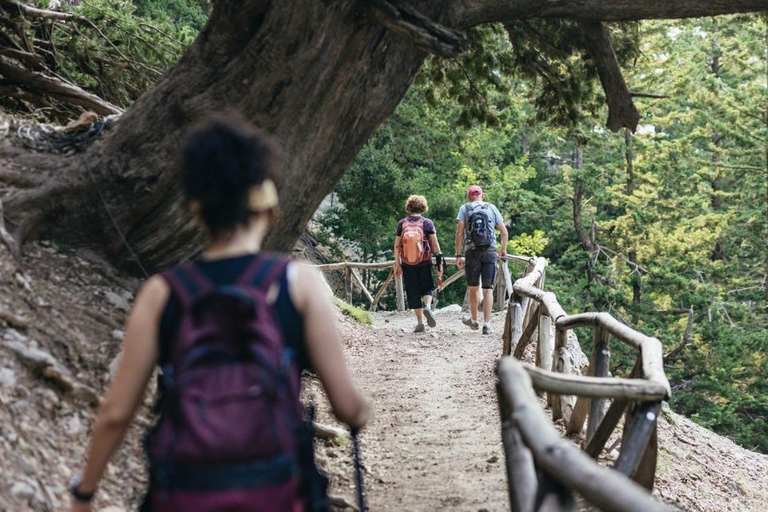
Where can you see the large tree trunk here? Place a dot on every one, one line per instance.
(318, 75)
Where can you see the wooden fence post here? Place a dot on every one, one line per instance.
(521, 472)
(553, 400)
(601, 357)
(399, 293)
(501, 286)
(546, 345)
(639, 429)
(348, 284)
(382, 289)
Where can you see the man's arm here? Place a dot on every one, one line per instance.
(459, 242)
(503, 230)
(504, 239)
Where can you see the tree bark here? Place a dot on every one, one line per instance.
(319, 76)
(621, 110)
(636, 276)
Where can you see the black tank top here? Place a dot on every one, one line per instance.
(224, 272)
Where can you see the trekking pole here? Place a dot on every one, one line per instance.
(358, 470)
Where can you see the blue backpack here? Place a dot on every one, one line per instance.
(482, 230)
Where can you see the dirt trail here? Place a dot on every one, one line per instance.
(434, 442)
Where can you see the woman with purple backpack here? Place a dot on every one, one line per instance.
(232, 332)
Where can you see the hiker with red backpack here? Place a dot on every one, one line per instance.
(415, 244)
(231, 331)
(476, 233)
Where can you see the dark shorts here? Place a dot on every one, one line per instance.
(418, 282)
(481, 262)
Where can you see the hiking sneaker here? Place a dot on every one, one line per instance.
(486, 328)
(430, 317)
(419, 328)
(472, 324)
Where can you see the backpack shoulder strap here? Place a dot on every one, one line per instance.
(187, 282)
(263, 271)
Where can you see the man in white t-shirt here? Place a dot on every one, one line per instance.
(476, 233)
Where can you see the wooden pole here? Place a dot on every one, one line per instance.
(561, 460)
(517, 324)
(521, 472)
(399, 293)
(348, 285)
(601, 357)
(594, 387)
(382, 289)
(596, 443)
(526, 335)
(553, 399)
(506, 335)
(501, 287)
(642, 424)
(553, 496)
(359, 280)
(645, 474)
(566, 403)
(546, 344)
(455, 277)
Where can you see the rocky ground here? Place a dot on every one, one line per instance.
(433, 443)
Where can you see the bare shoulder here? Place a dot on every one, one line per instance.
(153, 292)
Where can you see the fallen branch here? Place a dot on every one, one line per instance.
(55, 87)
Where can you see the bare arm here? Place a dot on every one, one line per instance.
(139, 355)
(504, 239)
(435, 245)
(459, 242)
(398, 267)
(309, 294)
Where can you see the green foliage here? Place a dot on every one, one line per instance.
(528, 245)
(134, 44)
(355, 313)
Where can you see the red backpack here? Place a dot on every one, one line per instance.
(412, 246)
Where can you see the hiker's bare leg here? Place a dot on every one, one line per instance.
(427, 299)
(487, 304)
(473, 302)
(419, 315)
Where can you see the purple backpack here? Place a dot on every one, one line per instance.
(230, 413)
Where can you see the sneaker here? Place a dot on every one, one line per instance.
(430, 317)
(486, 328)
(420, 328)
(472, 324)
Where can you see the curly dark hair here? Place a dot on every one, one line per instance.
(222, 159)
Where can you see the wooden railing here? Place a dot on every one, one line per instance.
(544, 469)
(353, 278)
